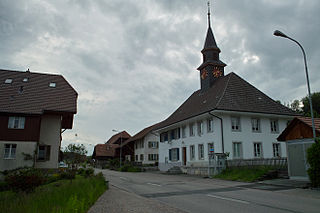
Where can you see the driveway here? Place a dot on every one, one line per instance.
(156, 192)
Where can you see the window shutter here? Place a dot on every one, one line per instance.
(47, 153)
(170, 155)
(177, 153)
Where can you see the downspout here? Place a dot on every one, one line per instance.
(222, 139)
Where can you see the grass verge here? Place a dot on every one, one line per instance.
(77, 195)
(243, 174)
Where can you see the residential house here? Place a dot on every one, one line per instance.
(35, 109)
(226, 115)
(111, 149)
(146, 144)
(299, 137)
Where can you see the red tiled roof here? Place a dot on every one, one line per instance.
(308, 121)
(117, 136)
(105, 150)
(230, 93)
(35, 96)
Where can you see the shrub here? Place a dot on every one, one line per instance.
(313, 157)
(25, 180)
(67, 174)
(53, 178)
(86, 172)
(3, 186)
(129, 168)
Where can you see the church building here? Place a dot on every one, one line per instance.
(226, 115)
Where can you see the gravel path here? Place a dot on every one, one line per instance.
(115, 200)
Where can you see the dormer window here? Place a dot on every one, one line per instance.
(52, 84)
(8, 81)
(25, 80)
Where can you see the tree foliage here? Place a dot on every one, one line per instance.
(74, 154)
(315, 97)
(313, 157)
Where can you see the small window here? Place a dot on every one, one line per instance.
(274, 126)
(16, 122)
(43, 153)
(200, 151)
(141, 157)
(174, 154)
(164, 137)
(200, 128)
(8, 81)
(183, 129)
(235, 124)
(10, 151)
(255, 124)
(257, 150)
(152, 157)
(276, 150)
(192, 153)
(153, 144)
(137, 158)
(191, 129)
(25, 80)
(237, 149)
(210, 125)
(52, 84)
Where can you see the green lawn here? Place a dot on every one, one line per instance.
(243, 174)
(61, 196)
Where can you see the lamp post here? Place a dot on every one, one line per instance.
(281, 34)
(114, 130)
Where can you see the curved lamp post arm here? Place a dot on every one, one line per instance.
(279, 33)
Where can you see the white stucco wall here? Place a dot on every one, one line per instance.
(27, 147)
(245, 136)
(50, 135)
(146, 150)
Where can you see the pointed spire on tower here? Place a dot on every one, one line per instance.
(209, 14)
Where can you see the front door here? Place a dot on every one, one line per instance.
(184, 155)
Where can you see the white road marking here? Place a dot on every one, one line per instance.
(230, 199)
(154, 184)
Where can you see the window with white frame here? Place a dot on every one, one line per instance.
(235, 124)
(255, 124)
(152, 157)
(153, 144)
(210, 125)
(164, 137)
(210, 148)
(200, 128)
(274, 126)
(257, 150)
(10, 151)
(43, 153)
(183, 129)
(16, 122)
(237, 149)
(174, 154)
(137, 157)
(191, 129)
(276, 150)
(200, 152)
(141, 157)
(192, 152)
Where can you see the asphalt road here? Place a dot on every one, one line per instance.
(196, 194)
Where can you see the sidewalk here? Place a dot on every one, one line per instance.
(116, 200)
(287, 183)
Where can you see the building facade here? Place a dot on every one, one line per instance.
(35, 109)
(226, 115)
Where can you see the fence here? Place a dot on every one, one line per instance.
(276, 162)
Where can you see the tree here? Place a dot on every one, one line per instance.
(74, 154)
(315, 97)
(295, 106)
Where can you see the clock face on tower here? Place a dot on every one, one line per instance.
(216, 72)
(204, 74)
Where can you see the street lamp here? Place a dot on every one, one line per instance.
(114, 130)
(281, 34)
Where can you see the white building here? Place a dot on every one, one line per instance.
(146, 144)
(226, 115)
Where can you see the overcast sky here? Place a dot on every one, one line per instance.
(134, 62)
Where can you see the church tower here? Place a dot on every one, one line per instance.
(211, 68)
